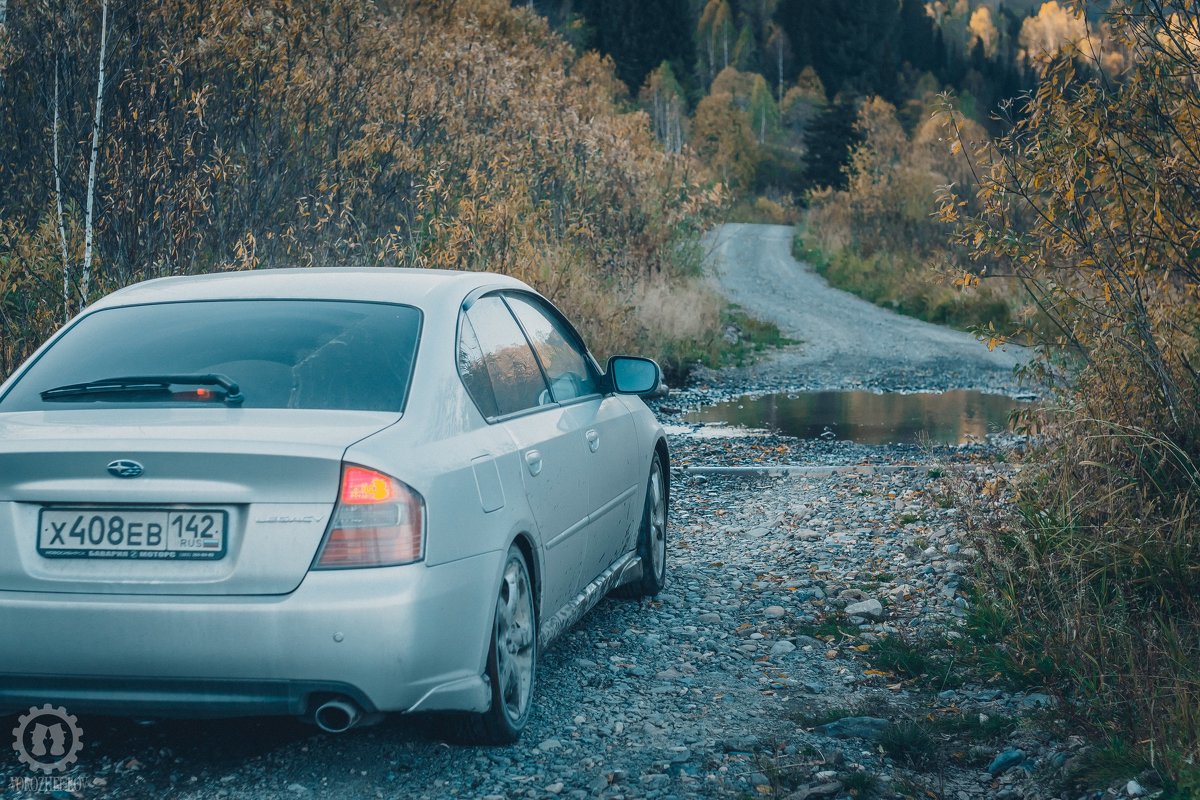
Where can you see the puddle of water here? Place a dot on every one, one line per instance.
(951, 417)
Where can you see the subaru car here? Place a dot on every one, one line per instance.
(328, 493)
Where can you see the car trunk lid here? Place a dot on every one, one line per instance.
(268, 478)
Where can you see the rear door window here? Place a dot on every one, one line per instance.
(513, 376)
(310, 354)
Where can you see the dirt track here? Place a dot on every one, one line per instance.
(846, 342)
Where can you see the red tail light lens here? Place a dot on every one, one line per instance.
(377, 522)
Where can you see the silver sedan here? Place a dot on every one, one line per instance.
(323, 493)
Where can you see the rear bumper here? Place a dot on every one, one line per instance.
(410, 638)
(143, 696)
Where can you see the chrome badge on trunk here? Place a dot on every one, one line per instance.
(124, 468)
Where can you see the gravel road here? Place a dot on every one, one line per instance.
(779, 592)
(845, 342)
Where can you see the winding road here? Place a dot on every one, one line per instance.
(845, 342)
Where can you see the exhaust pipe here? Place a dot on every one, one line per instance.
(337, 715)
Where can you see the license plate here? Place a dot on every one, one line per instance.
(161, 533)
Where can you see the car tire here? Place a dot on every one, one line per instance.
(652, 537)
(512, 660)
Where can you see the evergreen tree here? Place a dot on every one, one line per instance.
(639, 35)
(851, 45)
(745, 52)
(828, 143)
(917, 43)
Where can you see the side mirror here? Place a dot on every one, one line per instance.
(634, 375)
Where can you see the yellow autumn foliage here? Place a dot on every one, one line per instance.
(239, 135)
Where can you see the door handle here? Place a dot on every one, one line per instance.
(533, 460)
(593, 440)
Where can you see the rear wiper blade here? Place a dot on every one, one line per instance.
(143, 383)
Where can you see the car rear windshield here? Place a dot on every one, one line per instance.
(311, 354)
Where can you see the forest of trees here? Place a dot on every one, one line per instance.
(782, 80)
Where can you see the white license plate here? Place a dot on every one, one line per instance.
(162, 533)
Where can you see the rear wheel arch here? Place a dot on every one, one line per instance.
(525, 544)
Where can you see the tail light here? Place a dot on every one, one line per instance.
(377, 522)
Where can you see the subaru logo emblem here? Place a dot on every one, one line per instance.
(124, 468)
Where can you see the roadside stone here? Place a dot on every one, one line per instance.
(782, 648)
(815, 791)
(1037, 700)
(855, 728)
(740, 744)
(774, 611)
(870, 609)
(1005, 760)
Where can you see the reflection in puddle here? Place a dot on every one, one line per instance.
(868, 418)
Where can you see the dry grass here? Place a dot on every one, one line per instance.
(1093, 556)
(683, 311)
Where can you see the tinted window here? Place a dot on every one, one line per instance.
(563, 360)
(281, 353)
(474, 370)
(515, 378)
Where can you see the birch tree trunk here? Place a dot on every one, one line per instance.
(779, 45)
(88, 228)
(62, 230)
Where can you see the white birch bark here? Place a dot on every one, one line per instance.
(780, 46)
(62, 229)
(88, 228)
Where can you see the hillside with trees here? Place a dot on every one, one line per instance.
(138, 141)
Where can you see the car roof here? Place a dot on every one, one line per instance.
(424, 288)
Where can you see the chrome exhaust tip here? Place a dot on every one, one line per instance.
(337, 716)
